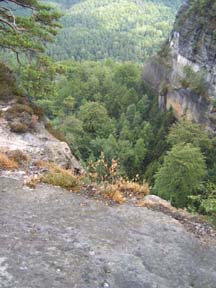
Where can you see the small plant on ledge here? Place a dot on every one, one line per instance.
(195, 81)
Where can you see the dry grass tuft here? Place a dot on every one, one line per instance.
(6, 163)
(21, 118)
(124, 189)
(41, 164)
(132, 188)
(101, 171)
(59, 176)
(33, 181)
(18, 156)
(16, 109)
(111, 185)
(111, 192)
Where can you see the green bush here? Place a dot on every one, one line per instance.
(195, 81)
(180, 175)
(205, 202)
(58, 176)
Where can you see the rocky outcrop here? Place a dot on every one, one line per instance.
(37, 143)
(184, 72)
(52, 238)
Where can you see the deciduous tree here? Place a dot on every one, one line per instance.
(181, 173)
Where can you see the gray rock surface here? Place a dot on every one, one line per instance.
(51, 238)
(191, 44)
(39, 145)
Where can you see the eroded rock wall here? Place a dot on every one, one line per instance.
(192, 45)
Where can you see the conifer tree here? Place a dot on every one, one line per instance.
(26, 25)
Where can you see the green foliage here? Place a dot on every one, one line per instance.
(58, 176)
(96, 121)
(26, 26)
(205, 201)
(119, 29)
(8, 88)
(104, 106)
(185, 131)
(27, 29)
(180, 175)
(206, 9)
(37, 81)
(195, 81)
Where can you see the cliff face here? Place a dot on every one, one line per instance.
(184, 72)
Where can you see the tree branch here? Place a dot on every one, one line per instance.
(21, 4)
(11, 14)
(13, 50)
(9, 24)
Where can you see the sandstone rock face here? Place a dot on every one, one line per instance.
(38, 144)
(192, 45)
(54, 238)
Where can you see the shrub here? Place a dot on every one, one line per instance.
(21, 118)
(17, 109)
(132, 187)
(8, 87)
(58, 176)
(111, 192)
(205, 202)
(19, 127)
(33, 181)
(214, 104)
(209, 205)
(6, 163)
(38, 111)
(195, 81)
(18, 156)
(21, 100)
(100, 170)
(123, 189)
(112, 185)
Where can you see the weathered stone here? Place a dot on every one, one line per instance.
(47, 237)
(192, 44)
(39, 145)
(157, 200)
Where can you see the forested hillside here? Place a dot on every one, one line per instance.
(118, 29)
(105, 108)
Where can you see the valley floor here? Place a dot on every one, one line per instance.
(53, 238)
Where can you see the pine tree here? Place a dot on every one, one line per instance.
(26, 25)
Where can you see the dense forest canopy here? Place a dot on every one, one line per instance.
(119, 29)
(106, 107)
